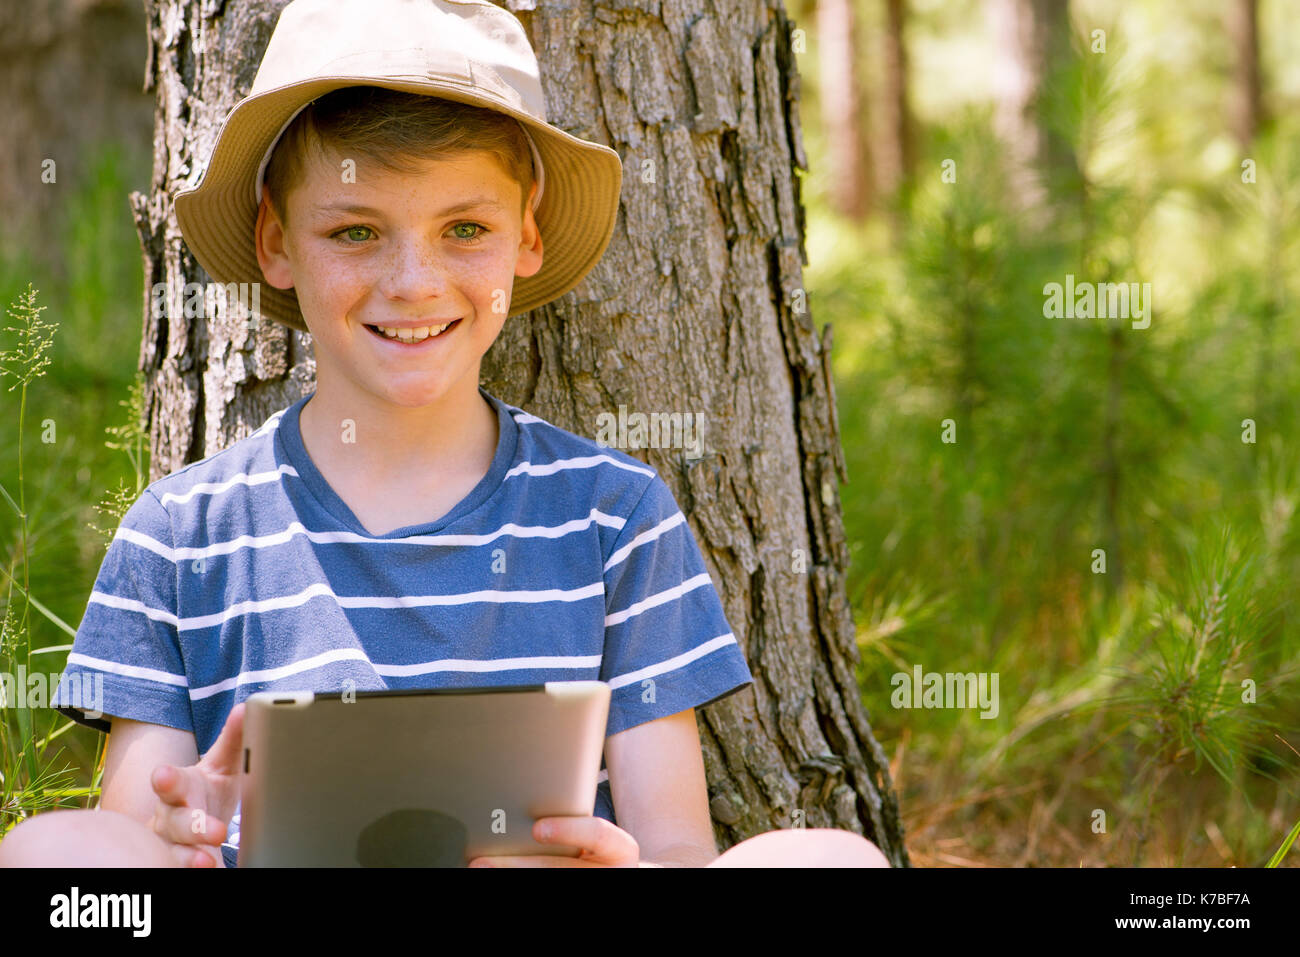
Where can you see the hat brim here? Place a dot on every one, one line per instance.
(576, 214)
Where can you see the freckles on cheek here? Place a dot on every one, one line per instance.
(492, 280)
(337, 281)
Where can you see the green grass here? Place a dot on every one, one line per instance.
(71, 461)
(1164, 691)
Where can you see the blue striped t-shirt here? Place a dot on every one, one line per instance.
(246, 572)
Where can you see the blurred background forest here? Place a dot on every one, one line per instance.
(1102, 515)
(1113, 530)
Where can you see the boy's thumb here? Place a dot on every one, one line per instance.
(224, 753)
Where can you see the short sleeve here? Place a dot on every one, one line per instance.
(668, 646)
(126, 658)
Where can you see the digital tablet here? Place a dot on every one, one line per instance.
(429, 778)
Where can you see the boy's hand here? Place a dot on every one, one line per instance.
(603, 845)
(195, 803)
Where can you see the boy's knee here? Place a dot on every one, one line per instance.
(846, 849)
(83, 839)
(800, 847)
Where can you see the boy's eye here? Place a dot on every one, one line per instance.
(457, 230)
(357, 234)
(466, 232)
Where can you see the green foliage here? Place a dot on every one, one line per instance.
(28, 358)
(1130, 688)
(49, 475)
(1276, 859)
(25, 775)
(132, 439)
(1197, 678)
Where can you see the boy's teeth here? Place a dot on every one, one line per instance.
(418, 334)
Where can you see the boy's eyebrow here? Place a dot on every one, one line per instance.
(477, 202)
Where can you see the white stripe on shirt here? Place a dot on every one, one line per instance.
(321, 589)
(127, 671)
(273, 539)
(649, 535)
(131, 604)
(581, 462)
(672, 664)
(243, 478)
(660, 598)
(490, 664)
(557, 662)
(283, 671)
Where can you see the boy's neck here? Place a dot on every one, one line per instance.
(384, 442)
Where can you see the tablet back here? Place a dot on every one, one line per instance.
(415, 778)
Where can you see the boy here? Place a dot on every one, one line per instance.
(399, 527)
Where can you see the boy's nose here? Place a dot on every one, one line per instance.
(415, 273)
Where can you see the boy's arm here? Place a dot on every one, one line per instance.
(668, 650)
(656, 778)
(189, 801)
(134, 749)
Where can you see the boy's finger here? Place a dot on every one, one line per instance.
(206, 829)
(204, 857)
(173, 785)
(188, 856)
(224, 755)
(598, 838)
(188, 826)
(184, 856)
(532, 860)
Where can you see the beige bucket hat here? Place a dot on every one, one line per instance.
(465, 50)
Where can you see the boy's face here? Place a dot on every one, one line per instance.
(398, 250)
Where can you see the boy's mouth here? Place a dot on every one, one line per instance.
(413, 337)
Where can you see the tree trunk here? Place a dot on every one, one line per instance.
(70, 72)
(1032, 36)
(843, 108)
(1244, 109)
(893, 148)
(698, 304)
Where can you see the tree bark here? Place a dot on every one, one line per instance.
(1244, 109)
(698, 305)
(893, 150)
(1032, 37)
(213, 379)
(844, 109)
(70, 76)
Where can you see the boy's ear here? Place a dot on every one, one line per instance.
(268, 237)
(530, 240)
